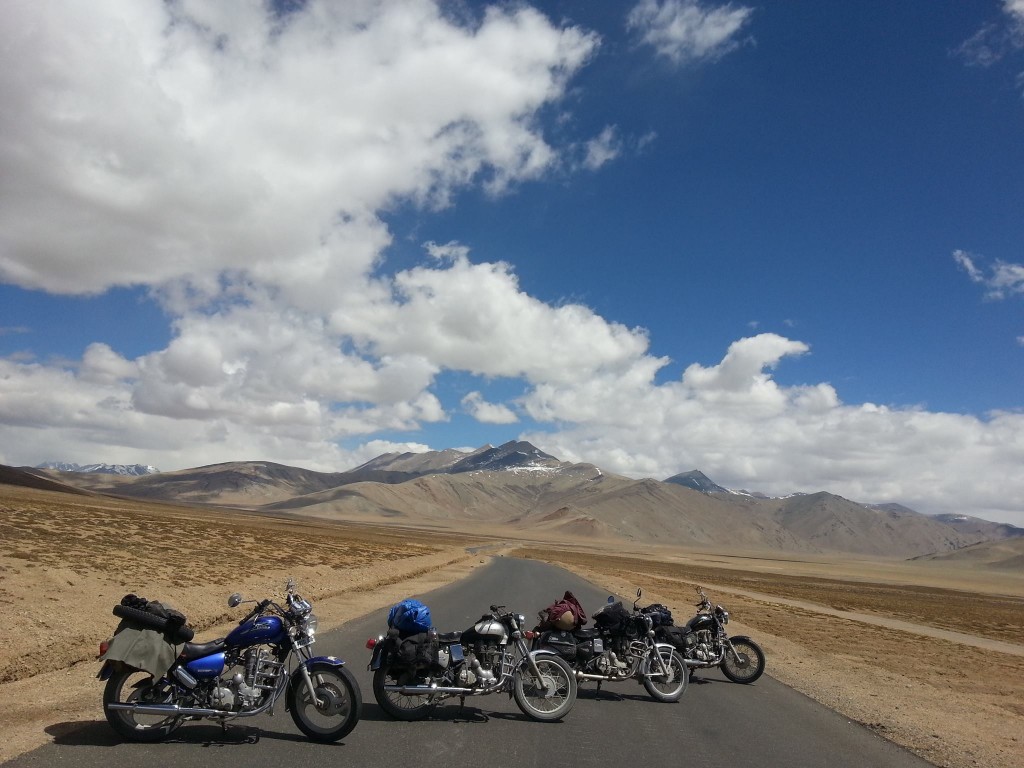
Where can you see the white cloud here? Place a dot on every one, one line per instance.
(997, 39)
(488, 413)
(602, 149)
(688, 30)
(474, 317)
(745, 430)
(144, 142)
(1002, 279)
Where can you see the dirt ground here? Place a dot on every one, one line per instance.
(929, 658)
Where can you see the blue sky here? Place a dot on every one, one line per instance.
(778, 242)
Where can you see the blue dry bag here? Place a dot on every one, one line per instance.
(409, 617)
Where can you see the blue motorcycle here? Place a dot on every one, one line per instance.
(156, 680)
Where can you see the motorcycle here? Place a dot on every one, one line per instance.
(411, 675)
(156, 680)
(704, 642)
(621, 646)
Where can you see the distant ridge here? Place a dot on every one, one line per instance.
(26, 478)
(517, 485)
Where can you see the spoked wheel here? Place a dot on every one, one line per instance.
(552, 695)
(672, 685)
(132, 686)
(335, 710)
(748, 663)
(398, 705)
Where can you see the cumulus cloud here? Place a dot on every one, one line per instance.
(741, 427)
(688, 30)
(488, 413)
(184, 140)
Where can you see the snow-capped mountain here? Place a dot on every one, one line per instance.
(130, 470)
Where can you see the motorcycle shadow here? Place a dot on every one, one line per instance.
(444, 713)
(97, 733)
(592, 694)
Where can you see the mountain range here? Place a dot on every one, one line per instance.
(518, 486)
(104, 469)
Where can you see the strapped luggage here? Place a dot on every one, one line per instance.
(564, 615)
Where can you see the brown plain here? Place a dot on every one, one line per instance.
(926, 655)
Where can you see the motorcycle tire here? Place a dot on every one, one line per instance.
(128, 685)
(550, 698)
(673, 688)
(749, 666)
(337, 707)
(397, 705)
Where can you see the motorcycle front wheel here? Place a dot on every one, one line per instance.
(552, 695)
(334, 712)
(747, 665)
(670, 687)
(132, 686)
(398, 705)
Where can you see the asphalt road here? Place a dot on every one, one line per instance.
(715, 724)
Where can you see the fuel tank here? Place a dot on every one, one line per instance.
(262, 629)
(487, 630)
(701, 621)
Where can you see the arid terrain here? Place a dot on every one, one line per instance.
(928, 655)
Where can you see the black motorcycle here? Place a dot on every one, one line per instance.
(704, 643)
(621, 646)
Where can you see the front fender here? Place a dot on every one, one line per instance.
(539, 653)
(663, 650)
(331, 661)
(313, 665)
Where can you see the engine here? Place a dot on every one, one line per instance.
(482, 666)
(703, 650)
(244, 691)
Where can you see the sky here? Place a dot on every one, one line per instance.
(780, 243)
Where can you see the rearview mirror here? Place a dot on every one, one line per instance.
(235, 600)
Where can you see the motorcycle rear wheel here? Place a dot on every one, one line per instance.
(549, 698)
(398, 705)
(336, 713)
(750, 664)
(673, 687)
(133, 686)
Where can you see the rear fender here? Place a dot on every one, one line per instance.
(376, 658)
(106, 670)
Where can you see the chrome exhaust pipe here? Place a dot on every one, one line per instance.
(416, 690)
(170, 710)
(580, 676)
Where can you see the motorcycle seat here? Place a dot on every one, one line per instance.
(449, 637)
(198, 650)
(587, 633)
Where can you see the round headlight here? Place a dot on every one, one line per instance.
(520, 620)
(310, 623)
